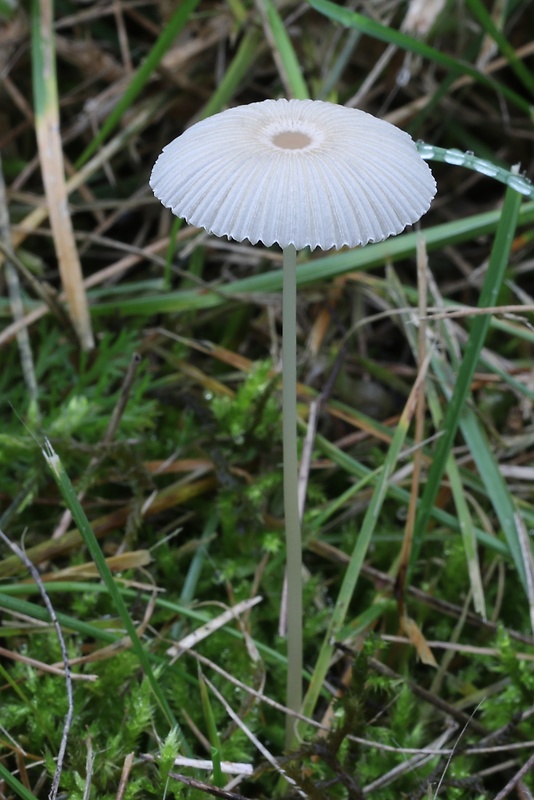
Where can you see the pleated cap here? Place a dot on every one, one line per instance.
(300, 172)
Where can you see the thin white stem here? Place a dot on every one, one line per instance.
(291, 507)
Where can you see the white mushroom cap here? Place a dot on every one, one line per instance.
(299, 172)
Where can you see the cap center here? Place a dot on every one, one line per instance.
(291, 140)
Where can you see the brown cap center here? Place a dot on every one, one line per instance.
(291, 140)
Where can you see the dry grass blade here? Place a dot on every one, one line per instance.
(170, 496)
(124, 561)
(210, 627)
(454, 647)
(416, 637)
(228, 767)
(47, 126)
(42, 667)
(413, 763)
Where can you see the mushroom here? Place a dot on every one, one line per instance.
(298, 173)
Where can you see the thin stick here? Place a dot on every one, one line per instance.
(291, 507)
(34, 572)
(126, 769)
(515, 780)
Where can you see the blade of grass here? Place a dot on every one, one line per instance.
(177, 223)
(332, 78)
(490, 477)
(449, 521)
(47, 126)
(19, 606)
(521, 70)
(330, 508)
(465, 521)
(283, 51)
(447, 376)
(469, 538)
(91, 542)
(239, 11)
(492, 284)
(170, 496)
(170, 31)
(238, 68)
(459, 158)
(352, 19)
(363, 539)
(496, 487)
(10, 601)
(15, 784)
(197, 562)
(364, 258)
(218, 777)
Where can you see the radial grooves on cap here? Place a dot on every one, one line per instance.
(355, 178)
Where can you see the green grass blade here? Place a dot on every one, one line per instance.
(19, 606)
(490, 478)
(523, 73)
(238, 68)
(316, 269)
(289, 62)
(495, 485)
(91, 542)
(484, 166)
(14, 784)
(465, 522)
(335, 505)
(449, 521)
(352, 19)
(218, 777)
(469, 538)
(488, 296)
(352, 572)
(171, 248)
(44, 80)
(11, 602)
(331, 80)
(141, 76)
(187, 595)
